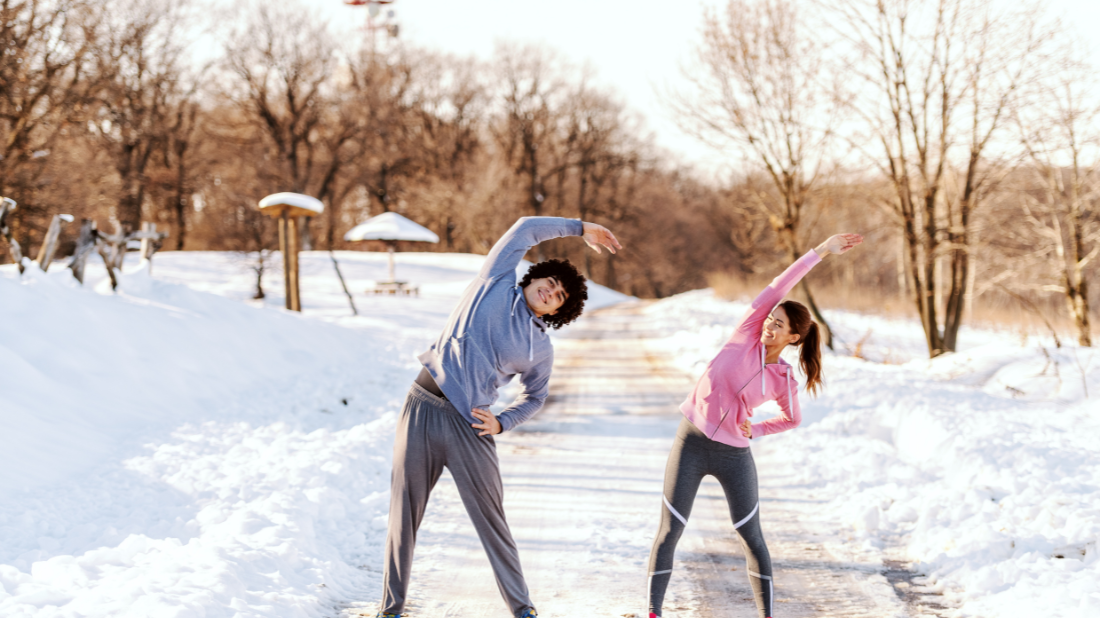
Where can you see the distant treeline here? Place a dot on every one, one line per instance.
(950, 143)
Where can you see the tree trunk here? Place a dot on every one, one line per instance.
(953, 313)
(179, 205)
(1077, 301)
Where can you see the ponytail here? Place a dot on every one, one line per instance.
(809, 342)
(809, 358)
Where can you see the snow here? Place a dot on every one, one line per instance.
(305, 202)
(178, 449)
(391, 226)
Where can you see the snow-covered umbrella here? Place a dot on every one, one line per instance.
(391, 227)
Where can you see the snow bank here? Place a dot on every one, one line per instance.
(170, 452)
(178, 449)
(981, 467)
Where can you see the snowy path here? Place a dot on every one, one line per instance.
(582, 490)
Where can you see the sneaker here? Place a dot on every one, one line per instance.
(381, 615)
(528, 613)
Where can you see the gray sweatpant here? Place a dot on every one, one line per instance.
(432, 434)
(694, 456)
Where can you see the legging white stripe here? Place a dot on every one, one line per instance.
(660, 572)
(743, 521)
(677, 513)
(771, 590)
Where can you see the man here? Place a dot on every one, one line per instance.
(497, 331)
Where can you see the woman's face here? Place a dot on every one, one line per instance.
(777, 330)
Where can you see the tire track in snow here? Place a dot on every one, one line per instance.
(583, 483)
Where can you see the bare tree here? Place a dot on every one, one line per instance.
(1001, 57)
(44, 90)
(758, 85)
(597, 147)
(178, 147)
(139, 60)
(530, 84)
(1060, 134)
(383, 87)
(937, 75)
(449, 101)
(283, 60)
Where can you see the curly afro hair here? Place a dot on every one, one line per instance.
(576, 287)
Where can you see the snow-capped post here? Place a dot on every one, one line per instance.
(6, 206)
(286, 208)
(49, 245)
(391, 227)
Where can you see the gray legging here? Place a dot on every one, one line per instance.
(694, 456)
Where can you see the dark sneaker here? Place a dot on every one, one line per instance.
(528, 613)
(381, 615)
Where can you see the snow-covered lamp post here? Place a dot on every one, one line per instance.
(287, 207)
(391, 227)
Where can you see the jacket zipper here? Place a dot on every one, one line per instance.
(726, 412)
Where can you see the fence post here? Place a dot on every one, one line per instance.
(6, 206)
(49, 245)
(84, 245)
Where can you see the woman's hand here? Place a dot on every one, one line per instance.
(838, 243)
(746, 428)
(489, 424)
(596, 235)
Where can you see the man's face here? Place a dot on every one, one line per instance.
(545, 296)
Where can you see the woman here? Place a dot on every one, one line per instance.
(714, 435)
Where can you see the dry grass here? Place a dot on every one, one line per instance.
(993, 311)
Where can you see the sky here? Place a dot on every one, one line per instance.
(635, 47)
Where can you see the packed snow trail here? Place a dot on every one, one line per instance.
(583, 483)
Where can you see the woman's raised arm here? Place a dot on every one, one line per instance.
(753, 319)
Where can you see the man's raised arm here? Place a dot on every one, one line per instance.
(530, 231)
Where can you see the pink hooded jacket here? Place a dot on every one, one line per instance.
(738, 380)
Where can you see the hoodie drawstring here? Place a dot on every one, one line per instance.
(530, 328)
(763, 370)
(789, 400)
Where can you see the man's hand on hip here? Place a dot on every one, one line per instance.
(489, 424)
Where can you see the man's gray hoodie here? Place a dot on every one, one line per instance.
(492, 335)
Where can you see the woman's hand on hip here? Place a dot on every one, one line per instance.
(746, 428)
(838, 243)
(489, 424)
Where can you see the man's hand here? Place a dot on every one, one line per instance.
(838, 243)
(596, 235)
(489, 424)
